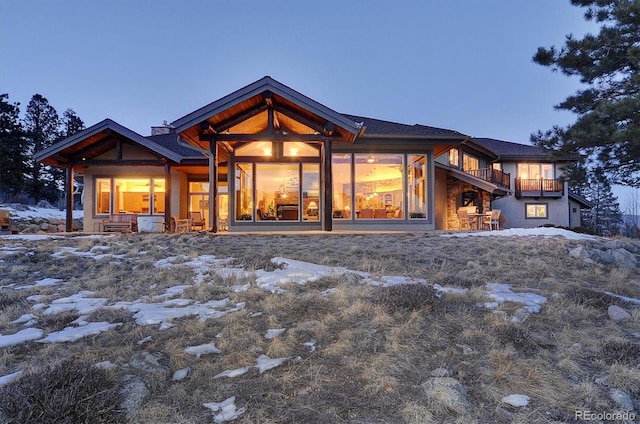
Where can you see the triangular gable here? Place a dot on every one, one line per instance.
(247, 102)
(59, 154)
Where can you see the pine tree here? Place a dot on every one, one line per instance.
(12, 150)
(608, 110)
(71, 123)
(42, 125)
(605, 217)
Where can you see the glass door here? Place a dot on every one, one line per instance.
(199, 200)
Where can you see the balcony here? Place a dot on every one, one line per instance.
(539, 188)
(494, 176)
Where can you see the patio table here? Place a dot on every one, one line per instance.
(479, 217)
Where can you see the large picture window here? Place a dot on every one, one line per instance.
(143, 196)
(378, 185)
(384, 186)
(277, 192)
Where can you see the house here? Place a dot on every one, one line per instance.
(267, 157)
(524, 182)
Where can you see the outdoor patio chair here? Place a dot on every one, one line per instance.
(492, 221)
(182, 225)
(197, 220)
(465, 221)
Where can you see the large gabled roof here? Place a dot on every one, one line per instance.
(245, 112)
(380, 128)
(507, 150)
(93, 141)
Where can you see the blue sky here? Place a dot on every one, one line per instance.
(456, 64)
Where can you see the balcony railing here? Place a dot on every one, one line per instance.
(539, 188)
(494, 176)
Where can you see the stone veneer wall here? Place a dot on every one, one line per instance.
(455, 188)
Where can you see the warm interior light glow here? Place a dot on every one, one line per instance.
(313, 205)
(371, 159)
(293, 152)
(267, 152)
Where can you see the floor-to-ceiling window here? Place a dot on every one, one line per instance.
(383, 186)
(244, 191)
(277, 182)
(378, 185)
(417, 186)
(341, 177)
(311, 192)
(277, 191)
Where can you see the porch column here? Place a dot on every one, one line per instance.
(68, 185)
(213, 186)
(167, 196)
(327, 201)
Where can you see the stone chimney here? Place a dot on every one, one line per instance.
(165, 128)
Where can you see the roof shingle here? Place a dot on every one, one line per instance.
(388, 128)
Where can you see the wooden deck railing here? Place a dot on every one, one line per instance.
(494, 176)
(539, 188)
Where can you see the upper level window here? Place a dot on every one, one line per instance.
(454, 157)
(258, 148)
(469, 162)
(535, 171)
(299, 149)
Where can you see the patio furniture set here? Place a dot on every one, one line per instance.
(489, 220)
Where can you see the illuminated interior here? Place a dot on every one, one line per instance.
(535, 171)
(378, 186)
(144, 196)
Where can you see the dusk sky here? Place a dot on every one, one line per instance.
(457, 64)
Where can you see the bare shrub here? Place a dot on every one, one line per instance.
(57, 322)
(69, 392)
(625, 377)
(255, 262)
(406, 296)
(623, 351)
(12, 298)
(592, 298)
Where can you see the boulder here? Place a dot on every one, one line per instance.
(625, 258)
(134, 391)
(151, 362)
(621, 399)
(616, 313)
(447, 392)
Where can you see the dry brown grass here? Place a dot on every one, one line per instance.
(374, 346)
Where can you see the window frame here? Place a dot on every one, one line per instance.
(536, 205)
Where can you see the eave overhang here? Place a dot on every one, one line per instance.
(93, 141)
(246, 112)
